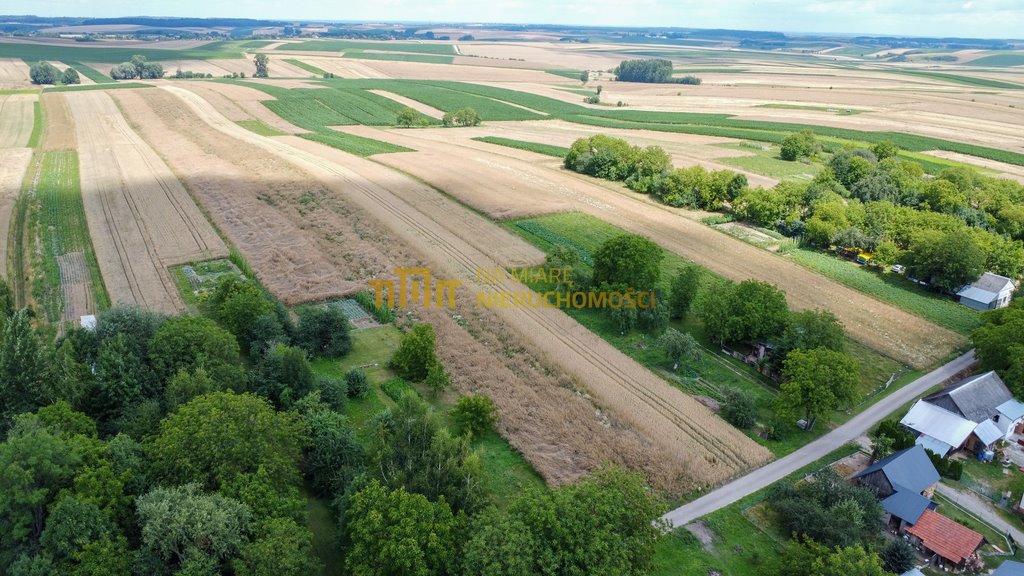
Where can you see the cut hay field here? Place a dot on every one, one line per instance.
(13, 164)
(17, 119)
(141, 218)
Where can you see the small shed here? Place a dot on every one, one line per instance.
(913, 572)
(88, 322)
(954, 543)
(989, 292)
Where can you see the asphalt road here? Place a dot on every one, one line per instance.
(981, 508)
(779, 469)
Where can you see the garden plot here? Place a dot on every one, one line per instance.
(141, 218)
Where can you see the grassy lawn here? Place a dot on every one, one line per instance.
(324, 526)
(891, 288)
(547, 149)
(713, 372)
(766, 161)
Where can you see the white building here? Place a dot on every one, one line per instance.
(989, 292)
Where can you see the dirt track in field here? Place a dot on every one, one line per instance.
(517, 186)
(685, 444)
(140, 217)
(13, 163)
(16, 117)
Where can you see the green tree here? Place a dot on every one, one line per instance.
(817, 382)
(43, 73)
(71, 525)
(283, 375)
(885, 149)
(999, 344)
(501, 545)
(283, 549)
(585, 76)
(437, 379)
(185, 385)
(23, 368)
(182, 521)
(395, 533)
(679, 346)
(137, 324)
(335, 454)
(262, 66)
(738, 408)
(798, 145)
(415, 354)
(122, 380)
(628, 260)
(218, 436)
(237, 305)
(407, 117)
(106, 557)
(684, 289)
(70, 76)
(948, 260)
(412, 449)
(809, 329)
(190, 342)
(35, 464)
(323, 332)
(474, 414)
(652, 70)
(356, 384)
(751, 311)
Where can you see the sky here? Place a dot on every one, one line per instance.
(935, 18)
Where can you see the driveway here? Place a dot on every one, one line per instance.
(779, 469)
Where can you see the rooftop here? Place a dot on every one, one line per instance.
(950, 540)
(942, 425)
(1010, 568)
(907, 505)
(976, 399)
(909, 469)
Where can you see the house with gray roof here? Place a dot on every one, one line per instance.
(989, 292)
(904, 483)
(973, 414)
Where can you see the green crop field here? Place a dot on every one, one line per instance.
(91, 73)
(571, 74)
(260, 128)
(999, 60)
(66, 52)
(306, 67)
(546, 149)
(960, 79)
(37, 126)
(428, 58)
(308, 113)
(355, 144)
(62, 228)
(339, 45)
(891, 288)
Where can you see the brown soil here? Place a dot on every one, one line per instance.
(60, 130)
(242, 103)
(415, 105)
(140, 217)
(13, 74)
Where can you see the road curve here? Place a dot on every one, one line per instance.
(779, 469)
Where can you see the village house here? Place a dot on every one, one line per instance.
(905, 482)
(972, 415)
(950, 545)
(989, 292)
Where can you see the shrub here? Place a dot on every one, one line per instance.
(70, 76)
(356, 383)
(415, 355)
(43, 73)
(474, 414)
(739, 409)
(323, 331)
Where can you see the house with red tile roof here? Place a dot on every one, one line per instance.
(953, 545)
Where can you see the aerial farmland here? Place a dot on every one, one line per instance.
(197, 220)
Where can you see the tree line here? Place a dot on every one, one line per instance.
(650, 70)
(946, 230)
(46, 73)
(181, 445)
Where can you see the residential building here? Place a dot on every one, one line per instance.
(989, 292)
